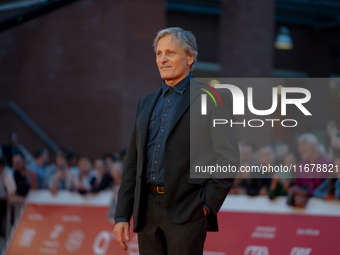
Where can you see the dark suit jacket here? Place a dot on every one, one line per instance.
(183, 195)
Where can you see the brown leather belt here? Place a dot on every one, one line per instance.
(159, 189)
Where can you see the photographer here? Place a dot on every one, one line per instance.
(60, 176)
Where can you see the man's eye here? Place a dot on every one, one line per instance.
(171, 52)
(158, 53)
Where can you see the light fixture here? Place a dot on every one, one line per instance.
(283, 40)
(212, 83)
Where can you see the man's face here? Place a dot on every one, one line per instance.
(84, 165)
(289, 160)
(99, 166)
(60, 162)
(173, 63)
(266, 156)
(108, 162)
(246, 153)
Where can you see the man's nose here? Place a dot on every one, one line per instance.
(163, 58)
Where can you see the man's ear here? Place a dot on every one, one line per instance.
(190, 59)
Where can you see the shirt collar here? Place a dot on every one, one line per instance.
(179, 87)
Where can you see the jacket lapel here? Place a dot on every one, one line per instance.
(185, 101)
(145, 116)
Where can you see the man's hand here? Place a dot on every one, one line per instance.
(205, 211)
(118, 231)
(329, 196)
(263, 191)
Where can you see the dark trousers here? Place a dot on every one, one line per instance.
(160, 235)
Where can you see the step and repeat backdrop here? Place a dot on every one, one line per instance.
(69, 223)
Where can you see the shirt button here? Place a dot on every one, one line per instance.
(166, 115)
(159, 145)
(162, 130)
(153, 178)
(168, 100)
(155, 162)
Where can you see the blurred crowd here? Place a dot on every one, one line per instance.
(69, 171)
(21, 171)
(305, 153)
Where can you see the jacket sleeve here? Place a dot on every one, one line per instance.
(226, 153)
(125, 199)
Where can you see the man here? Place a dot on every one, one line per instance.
(171, 211)
(104, 179)
(59, 176)
(12, 147)
(7, 188)
(258, 183)
(84, 175)
(247, 151)
(7, 182)
(25, 179)
(39, 166)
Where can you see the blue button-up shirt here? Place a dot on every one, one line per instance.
(159, 127)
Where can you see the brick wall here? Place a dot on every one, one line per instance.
(246, 38)
(79, 72)
(246, 50)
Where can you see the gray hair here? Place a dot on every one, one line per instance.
(186, 40)
(309, 138)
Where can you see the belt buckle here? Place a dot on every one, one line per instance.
(159, 192)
